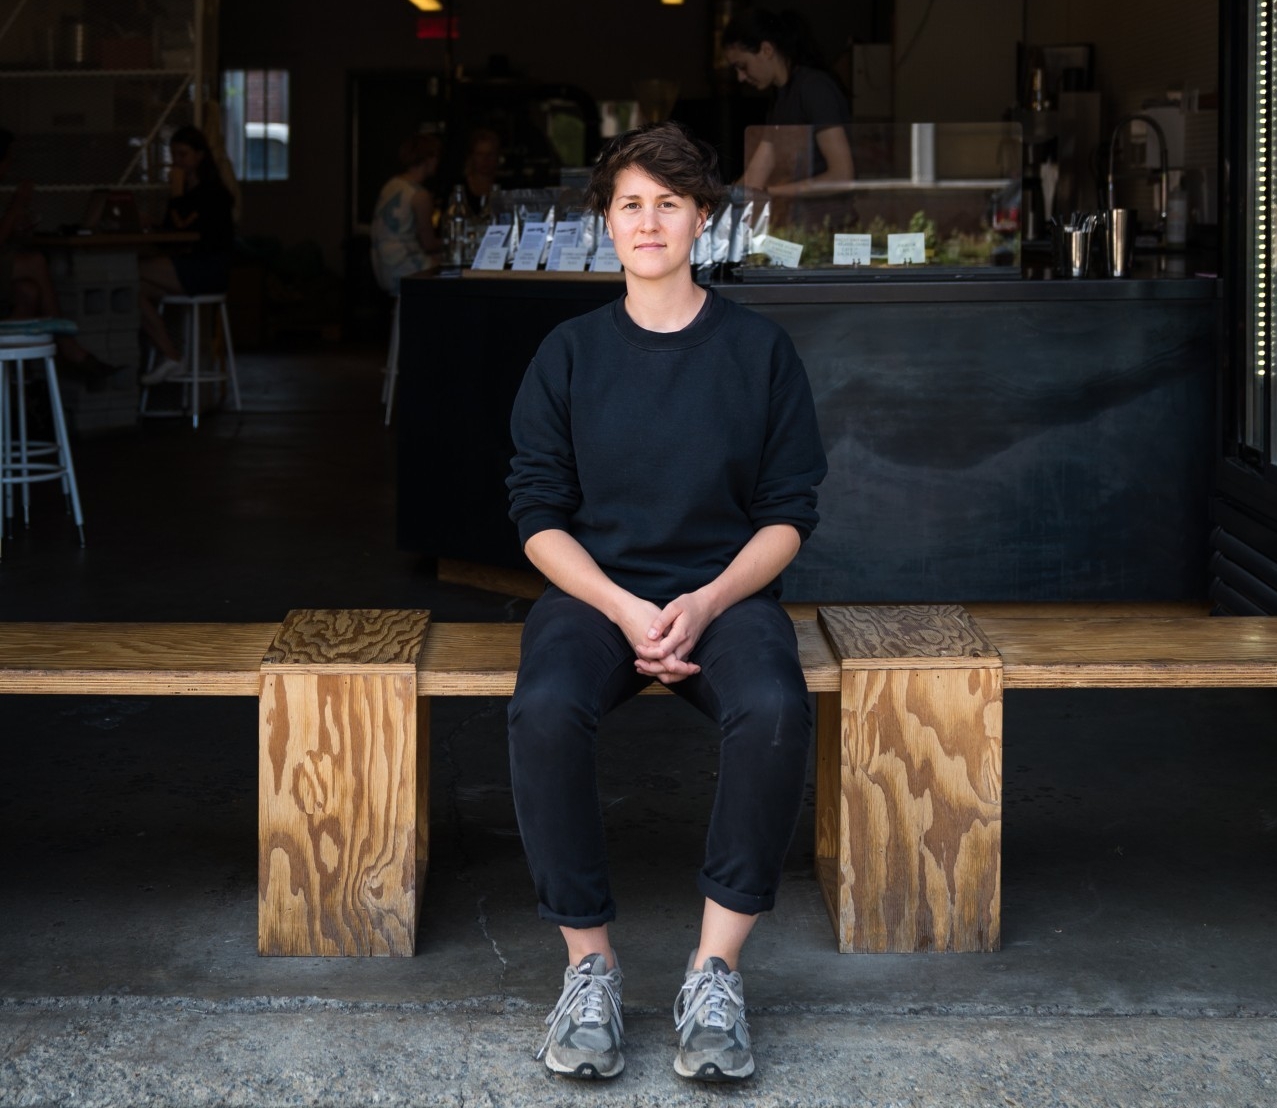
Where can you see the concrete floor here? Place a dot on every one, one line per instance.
(1139, 963)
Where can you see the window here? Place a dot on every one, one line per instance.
(255, 119)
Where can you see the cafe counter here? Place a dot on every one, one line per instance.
(1018, 440)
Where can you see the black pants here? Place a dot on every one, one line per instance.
(576, 666)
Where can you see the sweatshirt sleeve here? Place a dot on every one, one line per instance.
(793, 461)
(543, 484)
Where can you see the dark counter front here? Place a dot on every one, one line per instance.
(1004, 441)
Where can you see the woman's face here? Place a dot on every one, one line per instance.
(485, 157)
(761, 68)
(653, 228)
(186, 158)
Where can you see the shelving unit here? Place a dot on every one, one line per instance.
(93, 89)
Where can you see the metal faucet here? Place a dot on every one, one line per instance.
(1161, 142)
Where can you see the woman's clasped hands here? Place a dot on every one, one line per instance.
(663, 638)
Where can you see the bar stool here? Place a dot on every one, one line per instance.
(391, 369)
(193, 378)
(24, 461)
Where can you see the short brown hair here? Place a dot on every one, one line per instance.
(416, 149)
(668, 153)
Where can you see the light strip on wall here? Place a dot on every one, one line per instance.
(1261, 241)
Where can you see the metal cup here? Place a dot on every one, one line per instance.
(1073, 252)
(1119, 240)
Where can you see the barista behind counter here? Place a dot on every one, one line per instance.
(776, 52)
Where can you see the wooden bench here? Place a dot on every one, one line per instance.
(908, 734)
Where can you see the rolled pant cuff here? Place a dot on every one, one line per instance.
(732, 900)
(580, 923)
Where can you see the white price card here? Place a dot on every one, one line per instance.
(910, 249)
(852, 249)
(493, 249)
(605, 259)
(531, 246)
(781, 251)
(566, 236)
(572, 259)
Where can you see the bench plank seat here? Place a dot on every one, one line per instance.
(1237, 652)
(482, 659)
(133, 659)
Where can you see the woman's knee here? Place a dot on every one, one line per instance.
(545, 720)
(776, 713)
(158, 277)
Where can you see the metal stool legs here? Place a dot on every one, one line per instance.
(18, 464)
(194, 378)
(392, 365)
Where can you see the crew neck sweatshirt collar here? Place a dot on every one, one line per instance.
(701, 328)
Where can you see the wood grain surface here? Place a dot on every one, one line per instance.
(885, 636)
(340, 836)
(337, 814)
(348, 639)
(1086, 609)
(1223, 651)
(917, 856)
(482, 659)
(133, 659)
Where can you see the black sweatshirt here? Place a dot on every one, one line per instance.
(662, 454)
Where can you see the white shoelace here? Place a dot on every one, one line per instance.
(712, 992)
(589, 991)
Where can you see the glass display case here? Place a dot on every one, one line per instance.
(925, 200)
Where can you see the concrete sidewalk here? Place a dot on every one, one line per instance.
(100, 1053)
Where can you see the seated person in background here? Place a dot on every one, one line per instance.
(199, 201)
(26, 289)
(775, 52)
(479, 173)
(403, 222)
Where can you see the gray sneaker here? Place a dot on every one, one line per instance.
(586, 1031)
(709, 1014)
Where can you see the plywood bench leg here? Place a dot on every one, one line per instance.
(340, 737)
(423, 800)
(909, 786)
(829, 808)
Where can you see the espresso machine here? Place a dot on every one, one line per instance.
(1059, 114)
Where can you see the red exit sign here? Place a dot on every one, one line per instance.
(438, 27)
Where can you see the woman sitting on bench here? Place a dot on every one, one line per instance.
(667, 456)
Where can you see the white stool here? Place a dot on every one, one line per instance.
(193, 378)
(391, 369)
(22, 459)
